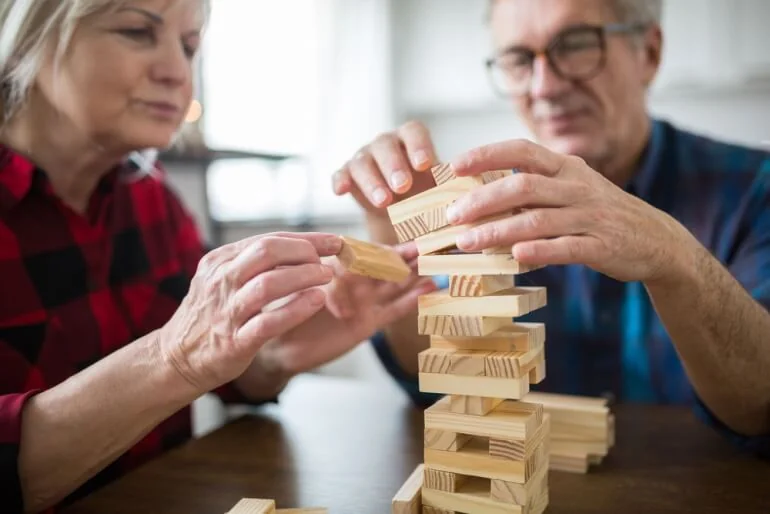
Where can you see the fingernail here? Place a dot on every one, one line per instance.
(327, 272)
(452, 214)
(333, 245)
(421, 158)
(398, 179)
(379, 196)
(466, 240)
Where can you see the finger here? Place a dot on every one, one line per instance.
(408, 251)
(267, 325)
(524, 226)
(342, 183)
(521, 154)
(419, 146)
(559, 251)
(393, 163)
(514, 192)
(267, 287)
(406, 303)
(368, 178)
(268, 252)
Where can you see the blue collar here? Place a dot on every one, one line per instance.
(650, 163)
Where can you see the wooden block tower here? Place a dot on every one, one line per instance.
(485, 450)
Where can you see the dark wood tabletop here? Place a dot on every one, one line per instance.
(347, 446)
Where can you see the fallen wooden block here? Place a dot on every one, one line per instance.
(503, 304)
(253, 506)
(373, 260)
(408, 499)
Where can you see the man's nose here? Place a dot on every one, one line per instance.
(546, 82)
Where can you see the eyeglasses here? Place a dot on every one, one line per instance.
(578, 53)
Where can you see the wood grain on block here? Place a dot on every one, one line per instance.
(509, 388)
(442, 173)
(520, 494)
(473, 497)
(253, 506)
(512, 364)
(469, 326)
(578, 448)
(310, 510)
(504, 304)
(444, 440)
(537, 374)
(426, 211)
(474, 460)
(452, 362)
(520, 449)
(442, 480)
(471, 264)
(446, 237)
(511, 420)
(474, 405)
(408, 498)
(513, 337)
(373, 260)
(568, 463)
(479, 285)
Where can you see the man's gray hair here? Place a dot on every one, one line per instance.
(643, 12)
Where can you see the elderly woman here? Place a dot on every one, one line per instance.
(112, 321)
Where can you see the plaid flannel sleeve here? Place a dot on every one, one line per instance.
(751, 267)
(11, 408)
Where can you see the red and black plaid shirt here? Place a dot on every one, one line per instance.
(75, 288)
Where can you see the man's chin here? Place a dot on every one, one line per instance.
(573, 144)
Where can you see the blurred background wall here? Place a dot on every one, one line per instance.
(290, 90)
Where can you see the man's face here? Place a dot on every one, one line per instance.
(593, 118)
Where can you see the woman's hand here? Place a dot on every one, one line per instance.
(222, 322)
(356, 307)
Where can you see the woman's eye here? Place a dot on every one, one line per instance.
(145, 34)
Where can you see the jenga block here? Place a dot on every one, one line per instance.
(471, 264)
(408, 499)
(474, 405)
(474, 460)
(442, 480)
(521, 449)
(473, 497)
(479, 285)
(569, 463)
(511, 420)
(509, 303)
(446, 237)
(537, 374)
(514, 337)
(444, 440)
(426, 509)
(452, 362)
(566, 446)
(253, 506)
(373, 260)
(519, 494)
(512, 364)
(469, 326)
(512, 388)
(443, 173)
(312, 510)
(426, 212)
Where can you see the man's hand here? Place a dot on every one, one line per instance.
(565, 213)
(356, 307)
(388, 169)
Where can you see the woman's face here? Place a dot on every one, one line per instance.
(126, 78)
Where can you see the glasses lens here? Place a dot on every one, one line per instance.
(578, 53)
(511, 72)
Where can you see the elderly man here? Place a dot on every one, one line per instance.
(657, 240)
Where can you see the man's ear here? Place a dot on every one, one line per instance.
(651, 54)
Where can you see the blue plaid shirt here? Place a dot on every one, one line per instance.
(603, 337)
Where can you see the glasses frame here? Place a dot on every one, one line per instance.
(602, 32)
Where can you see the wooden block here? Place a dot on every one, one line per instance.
(444, 440)
(521, 449)
(442, 173)
(504, 304)
(426, 211)
(510, 388)
(468, 326)
(452, 362)
(537, 374)
(512, 364)
(473, 405)
(253, 506)
(446, 237)
(373, 260)
(473, 460)
(442, 480)
(311, 510)
(520, 494)
(408, 499)
(511, 420)
(426, 509)
(472, 498)
(568, 463)
(479, 285)
(514, 337)
(471, 264)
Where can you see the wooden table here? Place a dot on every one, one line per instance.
(348, 447)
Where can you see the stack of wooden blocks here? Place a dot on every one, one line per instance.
(486, 451)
